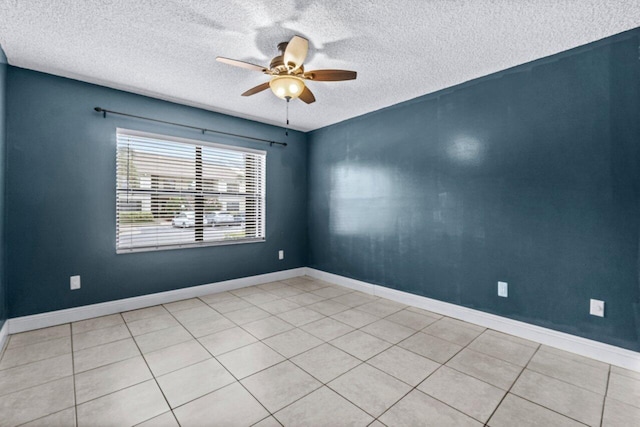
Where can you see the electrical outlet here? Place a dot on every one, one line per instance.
(596, 308)
(503, 289)
(280, 254)
(74, 281)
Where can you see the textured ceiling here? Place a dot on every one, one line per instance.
(401, 49)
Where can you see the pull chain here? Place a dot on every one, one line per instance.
(286, 130)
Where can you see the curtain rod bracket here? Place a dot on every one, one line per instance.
(100, 110)
(203, 130)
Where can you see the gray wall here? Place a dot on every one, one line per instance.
(3, 283)
(529, 176)
(61, 197)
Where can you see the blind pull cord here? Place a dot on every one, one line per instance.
(286, 129)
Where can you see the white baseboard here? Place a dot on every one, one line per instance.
(4, 335)
(593, 349)
(585, 347)
(59, 317)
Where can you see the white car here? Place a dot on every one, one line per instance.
(184, 220)
(219, 218)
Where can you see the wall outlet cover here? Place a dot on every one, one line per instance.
(596, 308)
(503, 289)
(280, 254)
(74, 282)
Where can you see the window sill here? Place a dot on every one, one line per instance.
(188, 245)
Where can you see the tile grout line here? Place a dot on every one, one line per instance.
(415, 388)
(362, 362)
(544, 347)
(538, 404)
(73, 372)
(35, 361)
(152, 376)
(290, 361)
(512, 384)
(33, 343)
(221, 364)
(604, 399)
(569, 383)
(43, 417)
(449, 367)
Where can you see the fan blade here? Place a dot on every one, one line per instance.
(307, 96)
(296, 52)
(256, 89)
(242, 64)
(330, 75)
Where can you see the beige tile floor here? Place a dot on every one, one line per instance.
(301, 352)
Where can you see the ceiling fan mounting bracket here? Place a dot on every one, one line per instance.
(282, 46)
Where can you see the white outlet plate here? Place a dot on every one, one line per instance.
(596, 308)
(503, 289)
(280, 254)
(74, 282)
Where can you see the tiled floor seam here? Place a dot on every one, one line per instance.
(286, 359)
(107, 364)
(512, 384)
(569, 359)
(35, 361)
(606, 390)
(95, 329)
(570, 383)
(221, 364)
(323, 384)
(445, 403)
(362, 362)
(415, 388)
(139, 335)
(443, 363)
(152, 375)
(536, 403)
(36, 342)
(265, 418)
(499, 358)
(73, 372)
(37, 385)
(45, 416)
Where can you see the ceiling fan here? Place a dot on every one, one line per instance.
(287, 72)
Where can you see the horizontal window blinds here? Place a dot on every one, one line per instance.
(179, 193)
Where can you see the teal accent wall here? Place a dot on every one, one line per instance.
(3, 110)
(529, 176)
(61, 197)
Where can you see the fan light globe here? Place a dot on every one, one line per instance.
(286, 86)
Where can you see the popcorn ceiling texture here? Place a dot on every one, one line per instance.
(401, 49)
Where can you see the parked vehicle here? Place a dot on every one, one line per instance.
(188, 219)
(184, 220)
(222, 218)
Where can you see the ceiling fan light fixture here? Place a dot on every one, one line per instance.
(286, 86)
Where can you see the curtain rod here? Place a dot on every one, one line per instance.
(203, 130)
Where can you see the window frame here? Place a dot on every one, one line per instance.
(194, 142)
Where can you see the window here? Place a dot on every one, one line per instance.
(174, 192)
